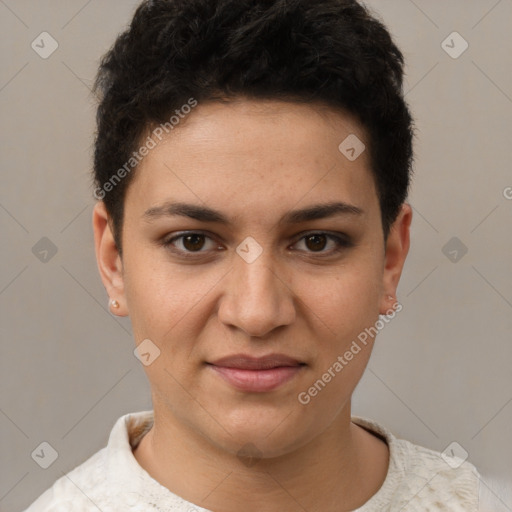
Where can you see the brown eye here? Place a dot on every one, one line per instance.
(324, 244)
(316, 242)
(190, 244)
(194, 242)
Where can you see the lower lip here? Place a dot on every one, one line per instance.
(257, 380)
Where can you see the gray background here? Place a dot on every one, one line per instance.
(441, 370)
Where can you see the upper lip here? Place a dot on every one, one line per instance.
(246, 362)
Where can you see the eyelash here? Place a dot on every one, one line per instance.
(342, 243)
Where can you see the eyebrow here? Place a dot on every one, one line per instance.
(206, 214)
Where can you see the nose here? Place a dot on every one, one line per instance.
(257, 299)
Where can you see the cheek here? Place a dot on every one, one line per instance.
(344, 301)
(155, 298)
(348, 305)
(166, 303)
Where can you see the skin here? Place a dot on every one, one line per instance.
(255, 161)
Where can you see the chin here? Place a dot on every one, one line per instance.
(261, 431)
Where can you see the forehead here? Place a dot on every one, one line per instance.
(256, 153)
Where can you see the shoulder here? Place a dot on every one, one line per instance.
(431, 477)
(420, 478)
(74, 490)
(96, 483)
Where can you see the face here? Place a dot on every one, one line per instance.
(253, 258)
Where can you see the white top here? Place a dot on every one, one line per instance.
(418, 479)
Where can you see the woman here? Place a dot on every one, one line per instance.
(252, 164)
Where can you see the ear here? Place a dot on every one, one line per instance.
(108, 259)
(397, 247)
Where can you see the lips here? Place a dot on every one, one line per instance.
(257, 374)
(245, 362)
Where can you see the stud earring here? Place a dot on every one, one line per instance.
(114, 303)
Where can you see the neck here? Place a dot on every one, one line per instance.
(338, 470)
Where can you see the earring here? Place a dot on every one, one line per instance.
(114, 303)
